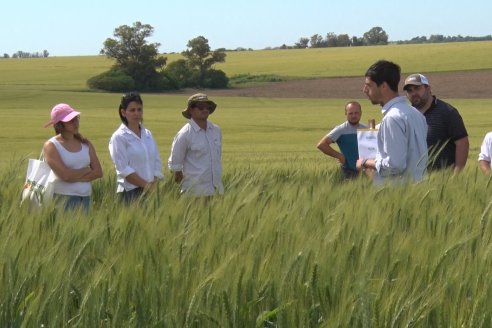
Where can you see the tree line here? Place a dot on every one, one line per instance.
(375, 36)
(23, 54)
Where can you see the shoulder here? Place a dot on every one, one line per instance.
(147, 132)
(119, 131)
(441, 104)
(339, 127)
(185, 128)
(214, 126)
(49, 143)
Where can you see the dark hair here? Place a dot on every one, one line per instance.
(385, 71)
(59, 127)
(126, 100)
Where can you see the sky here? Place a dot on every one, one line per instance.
(80, 27)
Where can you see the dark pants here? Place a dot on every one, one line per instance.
(130, 196)
(349, 174)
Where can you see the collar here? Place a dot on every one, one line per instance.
(125, 129)
(392, 102)
(196, 127)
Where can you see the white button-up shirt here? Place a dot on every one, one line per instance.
(486, 149)
(197, 153)
(131, 154)
(402, 143)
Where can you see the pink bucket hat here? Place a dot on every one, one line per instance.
(62, 113)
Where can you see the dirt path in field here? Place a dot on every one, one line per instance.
(470, 84)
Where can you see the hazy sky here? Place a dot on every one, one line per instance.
(71, 27)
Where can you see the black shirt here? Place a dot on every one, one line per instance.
(445, 127)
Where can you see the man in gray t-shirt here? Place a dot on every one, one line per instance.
(345, 135)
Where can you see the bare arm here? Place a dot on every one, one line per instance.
(136, 180)
(461, 155)
(53, 158)
(484, 166)
(96, 170)
(325, 146)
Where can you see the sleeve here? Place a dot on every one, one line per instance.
(178, 152)
(119, 156)
(456, 127)
(486, 148)
(391, 159)
(335, 133)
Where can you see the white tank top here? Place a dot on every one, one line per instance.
(72, 160)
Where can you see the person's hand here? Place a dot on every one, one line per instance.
(151, 186)
(342, 159)
(178, 176)
(358, 164)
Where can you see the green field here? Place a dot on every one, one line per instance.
(288, 245)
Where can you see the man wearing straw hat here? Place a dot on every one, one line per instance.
(196, 150)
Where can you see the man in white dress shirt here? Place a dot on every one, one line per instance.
(402, 146)
(196, 151)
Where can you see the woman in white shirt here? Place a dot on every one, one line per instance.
(134, 151)
(72, 158)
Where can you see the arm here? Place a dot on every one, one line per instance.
(364, 163)
(53, 158)
(484, 156)
(96, 170)
(484, 166)
(325, 146)
(461, 154)
(392, 151)
(136, 180)
(177, 156)
(118, 152)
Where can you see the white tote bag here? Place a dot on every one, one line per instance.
(38, 188)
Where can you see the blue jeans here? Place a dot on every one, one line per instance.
(71, 203)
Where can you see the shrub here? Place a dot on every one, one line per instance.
(215, 79)
(112, 80)
(181, 74)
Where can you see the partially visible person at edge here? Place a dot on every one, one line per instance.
(484, 158)
(72, 158)
(345, 135)
(447, 139)
(196, 150)
(134, 152)
(402, 147)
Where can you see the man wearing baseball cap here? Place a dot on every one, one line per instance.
(196, 151)
(447, 138)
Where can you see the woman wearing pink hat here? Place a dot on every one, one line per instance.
(72, 158)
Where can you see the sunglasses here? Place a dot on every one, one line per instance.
(202, 107)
